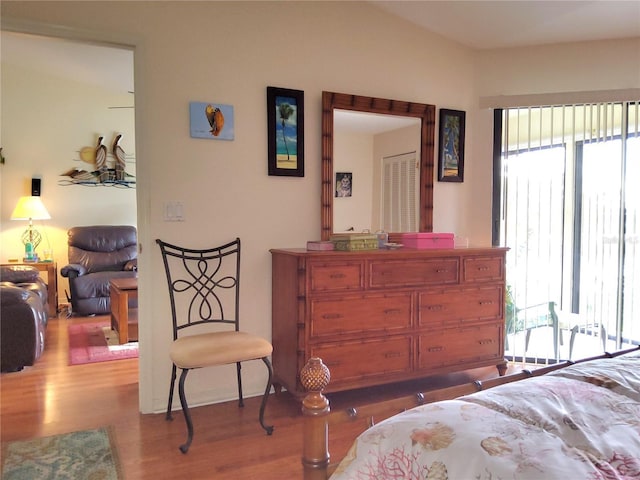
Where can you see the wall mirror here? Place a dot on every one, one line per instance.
(342, 112)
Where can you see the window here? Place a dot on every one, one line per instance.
(569, 209)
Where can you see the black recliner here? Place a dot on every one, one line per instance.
(98, 254)
(23, 316)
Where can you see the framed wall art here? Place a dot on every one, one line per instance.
(344, 184)
(451, 146)
(214, 121)
(285, 123)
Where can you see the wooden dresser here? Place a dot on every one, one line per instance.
(383, 316)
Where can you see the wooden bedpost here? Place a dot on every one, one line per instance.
(315, 377)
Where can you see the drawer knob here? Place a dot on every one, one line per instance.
(483, 269)
(441, 270)
(485, 302)
(435, 349)
(331, 316)
(434, 308)
(337, 275)
(392, 311)
(485, 341)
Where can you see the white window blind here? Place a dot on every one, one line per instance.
(400, 193)
(569, 213)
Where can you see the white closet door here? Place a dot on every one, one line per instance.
(400, 174)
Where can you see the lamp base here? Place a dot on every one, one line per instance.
(32, 236)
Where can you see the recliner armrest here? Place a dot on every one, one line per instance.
(73, 270)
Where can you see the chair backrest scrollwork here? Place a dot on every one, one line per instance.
(204, 284)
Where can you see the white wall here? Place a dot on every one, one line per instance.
(230, 53)
(46, 121)
(353, 152)
(572, 67)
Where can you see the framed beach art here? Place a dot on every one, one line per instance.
(285, 123)
(451, 146)
(214, 121)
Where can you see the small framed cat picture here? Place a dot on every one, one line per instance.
(344, 184)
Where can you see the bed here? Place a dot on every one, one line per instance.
(573, 420)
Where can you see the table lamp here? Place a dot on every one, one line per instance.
(30, 208)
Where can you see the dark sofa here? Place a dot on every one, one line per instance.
(23, 317)
(98, 254)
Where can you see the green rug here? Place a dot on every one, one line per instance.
(84, 455)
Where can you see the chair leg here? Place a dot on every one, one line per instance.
(527, 337)
(184, 448)
(168, 416)
(574, 332)
(240, 399)
(265, 397)
(557, 340)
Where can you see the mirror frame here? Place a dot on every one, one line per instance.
(343, 101)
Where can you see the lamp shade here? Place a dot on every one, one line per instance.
(30, 208)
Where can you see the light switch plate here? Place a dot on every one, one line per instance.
(173, 212)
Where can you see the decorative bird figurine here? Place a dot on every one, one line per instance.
(101, 161)
(119, 155)
(216, 119)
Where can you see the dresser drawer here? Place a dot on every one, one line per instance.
(360, 314)
(450, 308)
(351, 361)
(447, 347)
(335, 276)
(483, 269)
(414, 272)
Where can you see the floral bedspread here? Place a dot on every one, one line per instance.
(578, 423)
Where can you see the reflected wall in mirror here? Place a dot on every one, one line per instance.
(405, 145)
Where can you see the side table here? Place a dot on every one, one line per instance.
(123, 320)
(52, 281)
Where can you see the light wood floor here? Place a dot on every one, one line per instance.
(52, 397)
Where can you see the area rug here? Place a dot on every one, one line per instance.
(88, 454)
(92, 342)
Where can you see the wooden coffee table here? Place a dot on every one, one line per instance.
(124, 320)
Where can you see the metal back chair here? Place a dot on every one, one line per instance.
(542, 315)
(204, 289)
(529, 318)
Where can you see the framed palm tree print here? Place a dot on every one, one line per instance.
(285, 123)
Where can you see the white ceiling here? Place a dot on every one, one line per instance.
(500, 24)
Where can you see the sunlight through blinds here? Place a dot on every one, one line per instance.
(569, 213)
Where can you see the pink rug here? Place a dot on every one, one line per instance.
(93, 342)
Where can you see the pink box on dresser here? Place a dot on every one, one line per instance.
(425, 240)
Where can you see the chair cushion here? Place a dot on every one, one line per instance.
(218, 348)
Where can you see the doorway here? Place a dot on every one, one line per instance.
(59, 97)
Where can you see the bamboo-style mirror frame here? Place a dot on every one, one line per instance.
(343, 101)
